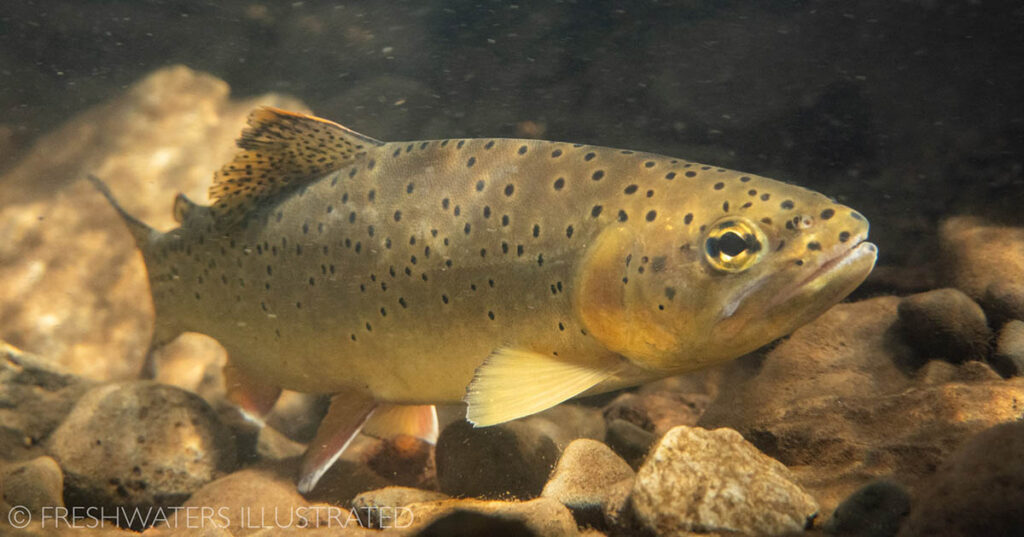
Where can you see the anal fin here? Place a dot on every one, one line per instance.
(253, 398)
(345, 417)
(514, 383)
(389, 421)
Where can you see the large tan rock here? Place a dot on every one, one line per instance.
(140, 444)
(72, 286)
(979, 490)
(841, 403)
(986, 261)
(700, 480)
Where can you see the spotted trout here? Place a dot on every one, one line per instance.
(509, 275)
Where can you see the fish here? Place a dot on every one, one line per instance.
(509, 275)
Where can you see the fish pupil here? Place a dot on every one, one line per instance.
(731, 244)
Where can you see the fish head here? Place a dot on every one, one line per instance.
(706, 286)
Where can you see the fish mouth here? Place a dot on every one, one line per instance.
(859, 252)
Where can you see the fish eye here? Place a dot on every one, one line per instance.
(733, 244)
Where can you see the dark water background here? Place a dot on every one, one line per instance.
(909, 111)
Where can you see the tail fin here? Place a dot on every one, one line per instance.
(139, 230)
(163, 330)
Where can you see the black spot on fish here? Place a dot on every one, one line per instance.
(813, 246)
(536, 230)
(559, 183)
(631, 189)
(589, 156)
(556, 153)
(596, 211)
(651, 215)
(509, 189)
(670, 293)
(649, 164)
(479, 186)
(489, 145)
(409, 188)
(568, 232)
(470, 162)
(623, 216)
(670, 175)
(765, 197)
(504, 220)
(522, 150)
(844, 236)
(827, 213)
(398, 216)
(598, 175)
(725, 206)
(688, 218)
(690, 174)
(719, 186)
(787, 204)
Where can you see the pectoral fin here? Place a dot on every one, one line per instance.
(345, 417)
(514, 383)
(389, 421)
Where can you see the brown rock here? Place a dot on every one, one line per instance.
(139, 444)
(832, 403)
(945, 323)
(510, 460)
(1004, 301)
(34, 485)
(1008, 359)
(166, 134)
(541, 516)
(979, 490)
(585, 479)
(657, 412)
(984, 260)
(875, 510)
(370, 504)
(700, 480)
(629, 441)
(514, 459)
(35, 396)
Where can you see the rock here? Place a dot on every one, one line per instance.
(396, 497)
(1008, 359)
(629, 440)
(510, 460)
(979, 490)
(405, 460)
(836, 403)
(164, 135)
(541, 517)
(297, 415)
(1003, 301)
(344, 481)
(35, 396)
(139, 444)
(945, 323)
(875, 510)
(584, 478)
(705, 481)
(372, 502)
(938, 372)
(33, 485)
(243, 500)
(514, 459)
(985, 260)
(657, 412)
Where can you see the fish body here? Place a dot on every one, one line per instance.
(509, 274)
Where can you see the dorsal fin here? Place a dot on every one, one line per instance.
(281, 149)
